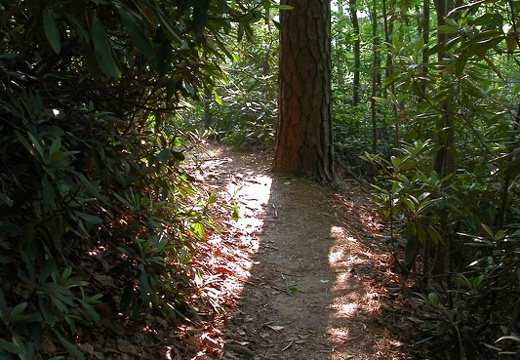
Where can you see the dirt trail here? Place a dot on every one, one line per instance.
(308, 272)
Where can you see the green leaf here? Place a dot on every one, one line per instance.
(4, 199)
(10, 347)
(49, 196)
(46, 311)
(90, 219)
(18, 309)
(103, 50)
(433, 299)
(164, 155)
(178, 155)
(240, 32)
(69, 346)
(51, 30)
(281, 7)
(198, 229)
(3, 304)
(144, 285)
(138, 37)
(236, 213)
(380, 99)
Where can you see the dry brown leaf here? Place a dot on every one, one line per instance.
(275, 328)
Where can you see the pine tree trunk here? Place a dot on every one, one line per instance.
(304, 131)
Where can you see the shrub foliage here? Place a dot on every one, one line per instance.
(94, 205)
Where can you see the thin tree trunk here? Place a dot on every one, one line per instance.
(373, 104)
(340, 64)
(444, 159)
(304, 131)
(357, 52)
(389, 28)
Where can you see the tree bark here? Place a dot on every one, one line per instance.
(375, 61)
(304, 143)
(357, 52)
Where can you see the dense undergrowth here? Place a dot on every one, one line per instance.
(98, 218)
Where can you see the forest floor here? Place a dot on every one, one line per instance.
(305, 273)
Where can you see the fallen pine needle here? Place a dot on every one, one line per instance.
(288, 346)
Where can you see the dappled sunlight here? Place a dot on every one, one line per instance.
(298, 270)
(345, 309)
(251, 195)
(244, 192)
(357, 299)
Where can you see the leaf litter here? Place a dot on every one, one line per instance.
(305, 273)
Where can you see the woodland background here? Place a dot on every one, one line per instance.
(102, 101)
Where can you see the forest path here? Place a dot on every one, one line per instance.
(304, 273)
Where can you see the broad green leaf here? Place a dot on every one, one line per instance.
(435, 235)
(170, 32)
(240, 32)
(17, 313)
(3, 304)
(200, 16)
(217, 98)
(198, 229)
(236, 213)
(46, 311)
(144, 285)
(11, 347)
(103, 49)
(380, 99)
(433, 299)
(90, 219)
(477, 281)
(138, 37)
(56, 146)
(73, 350)
(178, 155)
(164, 155)
(409, 203)
(49, 195)
(51, 30)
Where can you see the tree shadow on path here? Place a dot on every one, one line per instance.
(311, 291)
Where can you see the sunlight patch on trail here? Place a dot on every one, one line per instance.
(353, 301)
(238, 184)
(252, 196)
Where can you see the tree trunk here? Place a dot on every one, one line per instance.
(373, 104)
(444, 158)
(357, 52)
(304, 131)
